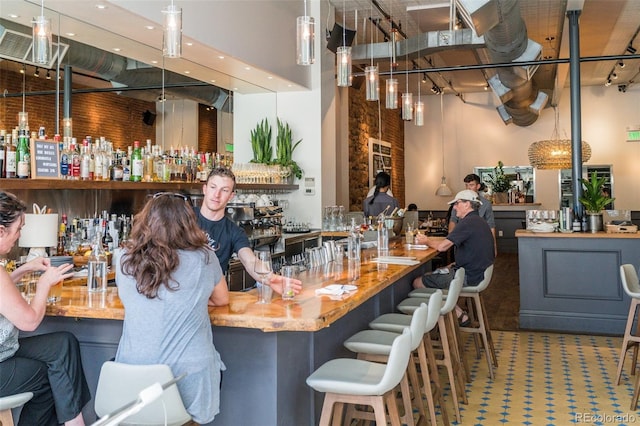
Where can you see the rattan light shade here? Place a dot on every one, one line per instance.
(555, 154)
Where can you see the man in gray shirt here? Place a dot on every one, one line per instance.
(472, 182)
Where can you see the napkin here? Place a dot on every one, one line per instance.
(417, 246)
(396, 260)
(335, 289)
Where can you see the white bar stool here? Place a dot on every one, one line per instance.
(375, 344)
(355, 381)
(452, 358)
(629, 278)
(477, 314)
(7, 403)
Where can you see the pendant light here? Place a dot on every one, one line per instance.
(419, 110)
(305, 36)
(443, 190)
(391, 101)
(172, 32)
(372, 77)
(42, 43)
(407, 97)
(343, 56)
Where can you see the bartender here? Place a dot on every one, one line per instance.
(225, 237)
(380, 200)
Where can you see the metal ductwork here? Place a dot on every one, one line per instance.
(118, 70)
(507, 41)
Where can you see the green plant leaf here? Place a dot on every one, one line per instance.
(593, 200)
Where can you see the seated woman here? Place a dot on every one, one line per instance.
(378, 202)
(166, 278)
(48, 365)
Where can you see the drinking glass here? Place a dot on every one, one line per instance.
(288, 272)
(262, 267)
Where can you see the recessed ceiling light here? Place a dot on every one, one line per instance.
(289, 85)
(13, 16)
(213, 81)
(235, 89)
(149, 27)
(101, 6)
(189, 43)
(247, 68)
(269, 77)
(220, 57)
(116, 49)
(71, 34)
(154, 62)
(187, 72)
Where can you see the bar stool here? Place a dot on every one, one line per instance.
(119, 384)
(355, 381)
(629, 278)
(374, 345)
(7, 403)
(477, 314)
(423, 354)
(452, 358)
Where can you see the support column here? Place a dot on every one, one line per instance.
(576, 112)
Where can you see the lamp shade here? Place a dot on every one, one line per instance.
(39, 230)
(554, 154)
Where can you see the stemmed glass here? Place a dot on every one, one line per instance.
(262, 267)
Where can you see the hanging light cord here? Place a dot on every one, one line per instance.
(344, 12)
(442, 127)
(24, 84)
(42, 8)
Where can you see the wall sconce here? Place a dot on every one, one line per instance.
(372, 83)
(42, 43)
(172, 32)
(305, 36)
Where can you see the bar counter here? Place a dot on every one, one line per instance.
(571, 281)
(269, 350)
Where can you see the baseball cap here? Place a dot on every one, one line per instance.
(467, 195)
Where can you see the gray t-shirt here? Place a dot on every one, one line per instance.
(8, 339)
(175, 329)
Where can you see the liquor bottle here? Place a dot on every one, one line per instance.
(23, 157)
(75, 160)
(126, 169)
(64, 159)
(148, 163)
(60, 248)
(137, 163)
(10, 155)
(85, 160)
(116, 167)
(107, 239)
(98, 160)
(3, 134)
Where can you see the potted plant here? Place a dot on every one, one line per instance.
(499, 183)
(261, 143)
(285, 148)
(594, 200)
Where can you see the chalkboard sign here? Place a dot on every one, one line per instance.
(45, 159)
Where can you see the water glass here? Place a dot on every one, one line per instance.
(288, 272)
(263, 268)
(264, 293)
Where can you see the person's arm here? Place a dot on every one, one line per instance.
(276, 282)
(440, 245)
(34, 265)
(220, 294)
(25, 316)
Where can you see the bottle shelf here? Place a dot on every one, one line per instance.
(15, 184)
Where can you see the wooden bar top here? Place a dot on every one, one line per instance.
(306, 312)
(621, 235)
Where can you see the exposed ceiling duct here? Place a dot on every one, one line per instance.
(118, 70)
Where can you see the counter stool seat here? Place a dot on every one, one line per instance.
(631, 285)
(9, 402)
(355, 381)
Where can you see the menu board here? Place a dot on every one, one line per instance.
(45, 159)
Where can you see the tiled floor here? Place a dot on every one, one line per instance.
(548, 379)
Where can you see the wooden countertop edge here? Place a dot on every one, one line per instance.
(620, 235)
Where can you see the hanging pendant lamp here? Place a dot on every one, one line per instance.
(305, 36)
(343, 56)
(172, 32)
(443, 190)
(42, 40)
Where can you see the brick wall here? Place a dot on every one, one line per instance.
(207, 128)
(363, 124)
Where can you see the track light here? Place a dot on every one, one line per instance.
(631, 49)
(36, 73)
(622, 88)
(424, 77)
(621, 64)
(48, 75)
(23, 69)
(614, 76)
(608, 82)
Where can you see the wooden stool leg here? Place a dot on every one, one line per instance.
(405, 393)
(417, 389)
(327, 408)
(394, 416)
(6, 418)
(636, 391)
(484, 333)
(627, 338)
(488, 331)
(431, 382)
(448, 364)
(458, 353)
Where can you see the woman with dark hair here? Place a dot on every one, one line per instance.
(166, 278)
(48, 365)
(378, 202)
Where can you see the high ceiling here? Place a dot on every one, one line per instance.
(607, 28)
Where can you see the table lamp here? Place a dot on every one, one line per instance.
(39, 232)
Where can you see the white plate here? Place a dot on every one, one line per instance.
(541, 231)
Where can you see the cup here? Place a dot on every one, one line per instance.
(354, 269)
(55, 292)
(288, 272)
(264, 293)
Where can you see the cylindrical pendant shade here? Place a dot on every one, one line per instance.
(172, 32)
(392, 93)
(419, 114)
(39, 230)
(305, 40)
(373, 83)
(42, 47)
(407, 106)
(343, 66)
(67, 127)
